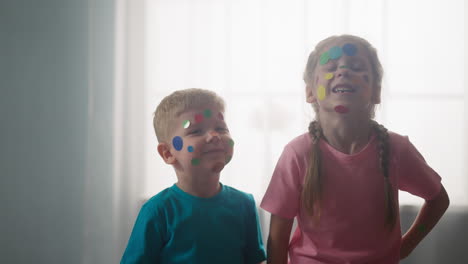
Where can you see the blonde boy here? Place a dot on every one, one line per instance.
(198, 219)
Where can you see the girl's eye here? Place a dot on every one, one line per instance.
(331, 68)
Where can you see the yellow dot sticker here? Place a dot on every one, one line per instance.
(321, 92)
(328, 76)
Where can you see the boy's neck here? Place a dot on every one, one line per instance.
(203, 187)
(348, 135)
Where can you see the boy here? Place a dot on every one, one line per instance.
(198, 219)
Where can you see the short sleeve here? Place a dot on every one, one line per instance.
(146, 241)
(254, 251)
(415, 175)
(283, 193)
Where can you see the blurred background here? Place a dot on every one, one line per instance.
(80, 80)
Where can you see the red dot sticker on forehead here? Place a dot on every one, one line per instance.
(341, 109)
(198, 118)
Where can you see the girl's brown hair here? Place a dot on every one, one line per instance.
(312, 192)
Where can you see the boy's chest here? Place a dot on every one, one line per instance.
(203, 229)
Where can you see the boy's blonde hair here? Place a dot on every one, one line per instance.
(312, 191)
(173, 105)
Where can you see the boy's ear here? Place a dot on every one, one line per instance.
(310, 97)
(164, 151)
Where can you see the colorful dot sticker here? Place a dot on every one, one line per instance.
(198, 118)
(186, 124)
(231, 143)
(195, 162)
(228, 159)
(220, 116)
(324, 58)
(349, 49)
(421, 228)
(321, 92)
(207, 113)
(335, 52)
(341, 109)
(328, 76)
(178, 143)
(190, 148)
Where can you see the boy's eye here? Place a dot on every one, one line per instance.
(222, 129)
(194, 132)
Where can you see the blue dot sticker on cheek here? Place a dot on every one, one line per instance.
(190, 149)
(178, 143)
(349, 49)
(335, 53)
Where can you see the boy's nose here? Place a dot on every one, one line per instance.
(213, 136)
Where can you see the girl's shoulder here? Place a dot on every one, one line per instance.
(398, 143)
(300, 144)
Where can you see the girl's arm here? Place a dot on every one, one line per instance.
(278, 239)
(427, 218)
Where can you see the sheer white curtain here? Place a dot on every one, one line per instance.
(116, 147)
(253, 52)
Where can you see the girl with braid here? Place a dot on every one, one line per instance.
(341, 179)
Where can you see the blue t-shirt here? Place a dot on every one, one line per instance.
(176, 227)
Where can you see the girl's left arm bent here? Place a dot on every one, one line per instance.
(427, 218)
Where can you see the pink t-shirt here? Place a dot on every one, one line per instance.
(351, 228)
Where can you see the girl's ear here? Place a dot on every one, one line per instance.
(310, 97)
(376, 95)
(164, 151)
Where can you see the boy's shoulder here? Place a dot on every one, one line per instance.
(234, 193)
(158, 201)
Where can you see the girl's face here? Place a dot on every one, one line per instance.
(343, 79)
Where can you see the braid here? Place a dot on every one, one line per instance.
(384, 157)
(315, 131)
(311, 194)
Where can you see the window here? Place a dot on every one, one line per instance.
(253, 52)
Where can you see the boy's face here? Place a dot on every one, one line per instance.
(344, 79)
(200, 142)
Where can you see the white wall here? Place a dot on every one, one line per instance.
(49, 119)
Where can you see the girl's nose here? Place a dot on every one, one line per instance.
(343, 72)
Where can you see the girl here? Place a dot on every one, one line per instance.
(341, 179)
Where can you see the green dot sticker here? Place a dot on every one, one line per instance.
(335, 52)
(195, 162)
(228, 159)
(231, 143)
(207, 113)
(186, 124)
(324, 58)
(421, 228)
(344, 67)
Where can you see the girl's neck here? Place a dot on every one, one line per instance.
(345, 134)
